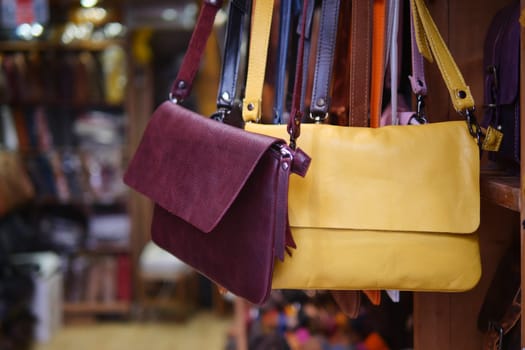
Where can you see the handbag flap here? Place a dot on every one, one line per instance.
(193, 166)
(395, 178)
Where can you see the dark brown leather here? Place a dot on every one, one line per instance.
(501, 309)
(349, 301)
(221, 196)
(360, 53)
(341, 77)
(296, 115)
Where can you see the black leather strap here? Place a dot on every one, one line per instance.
(324, 61)
(232, 49)
(285, 20)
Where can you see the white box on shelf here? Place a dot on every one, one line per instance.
(48, 293)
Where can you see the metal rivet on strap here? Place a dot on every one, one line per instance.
(320, 102)
(285, 166)
(462, 94)
(419, 82)
(250, 106)
(181, 84)
(225, 96)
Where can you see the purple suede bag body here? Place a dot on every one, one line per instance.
(221, 196)
(501, 90)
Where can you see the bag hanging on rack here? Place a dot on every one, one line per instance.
(501, 63)
(220, 192)
(389, 208)
(16, 187)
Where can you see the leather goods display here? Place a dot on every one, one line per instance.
(501, 90)
(16, 187)
(389, 208)
(220, 192)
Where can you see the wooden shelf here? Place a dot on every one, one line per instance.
(106, 249)
(117, 307)
(88, 45)
(502, 190)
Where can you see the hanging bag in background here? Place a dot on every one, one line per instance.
(502, 80)
(16, 187)
(220, 192)
(499, 317)
(388, 208)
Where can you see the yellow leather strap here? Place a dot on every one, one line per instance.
(431, 45)
(260, 34)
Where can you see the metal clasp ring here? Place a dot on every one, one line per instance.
(473, 126)
(317, 118)
(173, 99)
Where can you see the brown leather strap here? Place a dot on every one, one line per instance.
(494, 337)
(349, 301)
(360, 55)
(341, 80)
(181, 87)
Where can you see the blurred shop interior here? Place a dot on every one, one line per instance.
(78, 81)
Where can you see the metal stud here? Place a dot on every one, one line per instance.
(181, 84)
(285, 166)
(462, 94)
(320, 102)
(250, 106)
(225, 96)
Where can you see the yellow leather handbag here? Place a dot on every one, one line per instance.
(389, 208)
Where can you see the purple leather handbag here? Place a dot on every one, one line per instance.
(501, 63)
(220, 193)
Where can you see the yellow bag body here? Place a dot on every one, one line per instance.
(388, 208)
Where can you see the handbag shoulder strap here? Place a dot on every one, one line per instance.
(340, 82)
(296, 114)
(379, 52)
(282, 53)
(320, 102)
(182, 85)
(232, 54)
(257, 56)
(432, 46)
(417, 79)
(307, 44)
(360, 53)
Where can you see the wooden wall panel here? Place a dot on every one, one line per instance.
(448, 320)
(463, 24)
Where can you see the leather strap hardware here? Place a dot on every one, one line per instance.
(320, 103)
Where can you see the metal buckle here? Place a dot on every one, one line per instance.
(173, 99)
(420, 111)
(318, 118)
(220, 114)
(495, 326)
(473, 126)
